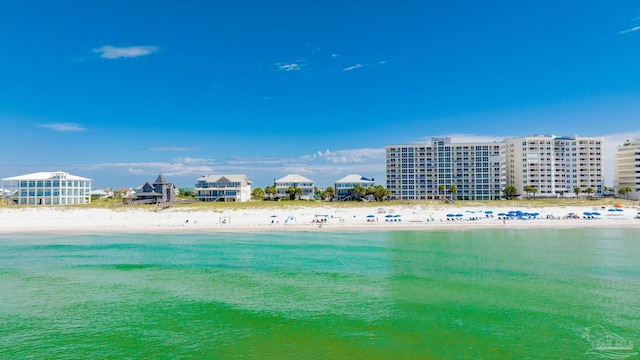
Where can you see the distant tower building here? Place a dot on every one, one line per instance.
(421, 171)
(627, 167)
(554, 166)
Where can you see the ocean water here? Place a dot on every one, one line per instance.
(477, 294)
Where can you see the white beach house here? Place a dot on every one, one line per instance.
(223, 188)
(344, 187)
(48, 188)
(295, 181)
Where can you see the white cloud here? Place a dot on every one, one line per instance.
(352, 156)
(635, 28)
(63, 127)
(356, 66)
(112, 52)
(324, 167)
(177, 167)
(289, 67)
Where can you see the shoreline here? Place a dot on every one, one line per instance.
(60, 220)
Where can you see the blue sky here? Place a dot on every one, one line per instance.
(120, 91)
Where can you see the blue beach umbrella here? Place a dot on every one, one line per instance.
(450, 215)
(488, 212)
(596, 213)
(371, 216)
(586, 213)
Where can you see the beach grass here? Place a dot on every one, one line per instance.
(116, 204)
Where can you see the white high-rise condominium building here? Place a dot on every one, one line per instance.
(418, 171)
(553, 165)
(627, 167)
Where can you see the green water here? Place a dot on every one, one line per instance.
(481, 294)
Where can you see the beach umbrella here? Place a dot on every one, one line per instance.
(450, 215)
(619, 210)
(611, 210)
(388, 216)
(274, 216)
(595, 213)
(371, 216)
(502, 214)
(586, 213)
(488, 212)
(397, 215)
(459, 215)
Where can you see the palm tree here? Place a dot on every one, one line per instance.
(509, 191)
(294, 192)
(257, 194)
(589, 191)
(271, 191)
(358, 191)
(528, 189)
(329, 193)
(440, 190)
(577, 191)
(380, 192)
(624, 191)
(452, 190)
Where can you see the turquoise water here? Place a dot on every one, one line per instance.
(480, 294)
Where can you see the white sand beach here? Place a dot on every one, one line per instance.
(325, 218)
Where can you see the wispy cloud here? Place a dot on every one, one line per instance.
(63, 127)
(112, 52)
(324, 167)
(289, 67)
(347, 156)
(356, 66)
(635, 28)
(169, 149)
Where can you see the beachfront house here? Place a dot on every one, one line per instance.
(295, 181)
(223, 188)
(159, 191)
(48, 188)
(345, 187)
(102, 193)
